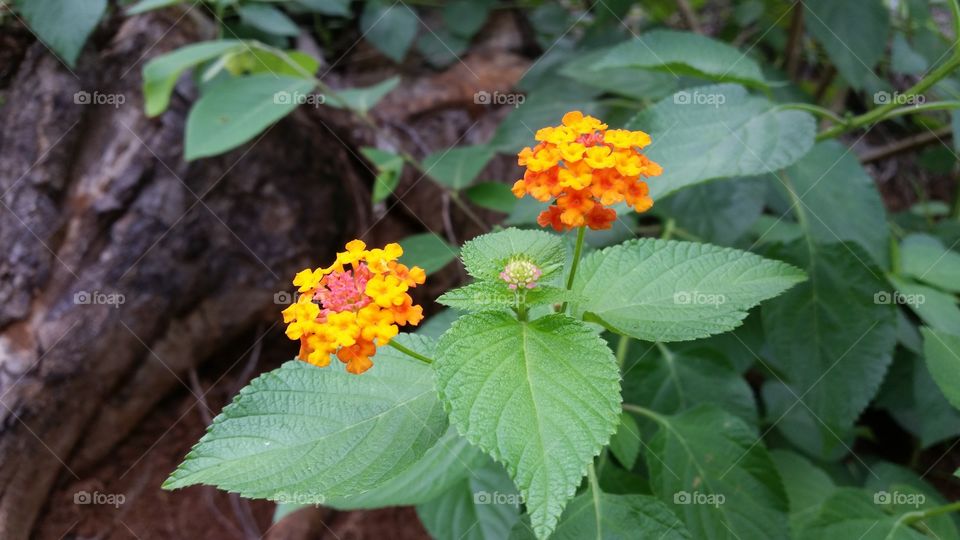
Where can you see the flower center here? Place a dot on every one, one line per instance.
(344, 291)
(521, 274)
(591, 139)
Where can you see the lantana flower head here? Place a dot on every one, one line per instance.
(353, 306)
(584, 168)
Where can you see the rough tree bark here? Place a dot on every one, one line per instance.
(96, 201)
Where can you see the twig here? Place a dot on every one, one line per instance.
(906, 144)
(795, 40)
(689, 16)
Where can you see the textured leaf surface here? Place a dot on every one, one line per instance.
(659, 290)
(307, 434)
(942, 351)
(852, 513)
(542, 397)
(613, 517)
(717, 212)
(806, 486)
(486, 255)
(673, 381)
(829, 339)
(625, 443)
(854, 48)
(234, 111)
(696, 138)
(483, 506)
(705, 452)
(451, 460)
(494, 296)
(684, 53)
(838, 199)
(926, 259)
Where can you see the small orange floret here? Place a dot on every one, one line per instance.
(353, 306)
(584, 167)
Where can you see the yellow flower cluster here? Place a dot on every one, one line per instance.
(585, 167)
(353, 306)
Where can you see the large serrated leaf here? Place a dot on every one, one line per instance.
(304, 434)
(710, 467)
(942, 352)
(684, 53)
(659, 290)
(542, 397)
(720, 131)
(603, 516)
(830, 339)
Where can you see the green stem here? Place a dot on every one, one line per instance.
(884, 111)
(668, 229)
(577, 251)
(933, 106)
(595, 491)
(920, 515)
(643, 411)
(623, 346)
(410, 353)
(814, 109)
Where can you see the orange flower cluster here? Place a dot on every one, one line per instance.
(586, 167)
(354, 306)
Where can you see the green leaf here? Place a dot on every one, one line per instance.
(720, 131)
(144, 6)
(905, 60)
(658, 290)
(542, 397)
(389, 166)
(451, 460)
(337, 8)
(636, 83)
(428, 251)
(828, 338)
(161, 73)
(711, 469)
(901, 490)
(63, 25)
(670, 382)
(362, 99)
(935, 308)
(307, 434)
(258, 60)
(854, 48)
(914, 400)
(625, 443)
(457, 168)
(942, 351)
(685, 53)
(852, 513)
(545, 107)
(234, 111)
(613, 517)
(496, 296)
(926, 259)
(485, 256)
(390, 27)
(806, 485)
(483, 506)
(466, 17)
(440, 48)
(835, 199)
(268, 19)
(717, 212)
(802, 428)
(492, 196)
